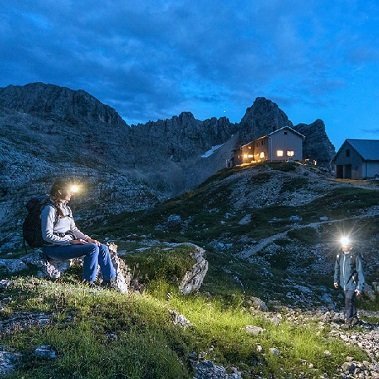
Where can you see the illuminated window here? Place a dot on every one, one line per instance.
(245, 156)
(290, 153)
(262, 155)
(279, 153)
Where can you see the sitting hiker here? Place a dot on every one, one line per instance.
(348, 274)
(65, 241)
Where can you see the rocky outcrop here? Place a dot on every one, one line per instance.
(194, 278)
(183, 137)
(49, 131)
(24, 320)
(179, 320)
(54, 268)
(53, 102)
(262, 118)
(12, 265)
(317, 145)
(123, 274)
(206, 369)
(8, 361)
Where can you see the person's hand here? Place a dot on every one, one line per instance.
(90, 240)
(357, 292)
(336, 285)
(78, 242)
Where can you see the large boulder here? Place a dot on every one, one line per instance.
(54, 268)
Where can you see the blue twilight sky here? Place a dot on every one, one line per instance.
(154, 59)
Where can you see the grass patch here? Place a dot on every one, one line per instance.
(109, 335)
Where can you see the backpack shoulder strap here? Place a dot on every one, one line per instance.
(69, 209)
(48, 202)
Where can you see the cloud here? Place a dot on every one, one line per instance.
(371, 131)
(151, 59)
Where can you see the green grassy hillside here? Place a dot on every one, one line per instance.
(99, 333)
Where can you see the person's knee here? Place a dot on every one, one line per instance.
(91, 248)
(103, 250)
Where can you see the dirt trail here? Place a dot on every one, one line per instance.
(247, 253)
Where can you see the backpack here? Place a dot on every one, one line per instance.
(31, 227)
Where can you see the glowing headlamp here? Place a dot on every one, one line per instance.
(74, 188)
(345, 241)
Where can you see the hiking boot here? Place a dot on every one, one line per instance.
(354, 321)
(347, 325)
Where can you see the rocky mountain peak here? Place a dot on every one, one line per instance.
(263, 117)
(186, 117)
(317, 144)
(58, 103)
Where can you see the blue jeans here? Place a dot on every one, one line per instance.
(93, 255)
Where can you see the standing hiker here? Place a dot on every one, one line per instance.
(348, 275)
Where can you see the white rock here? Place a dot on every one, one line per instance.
(13, 265)
(45, 351)
(274, 351)
(8, 362)
(245, 220)
(254, 330)
(179, 319)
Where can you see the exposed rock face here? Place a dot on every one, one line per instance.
(179, 319)
(8, 361)
(194, 278)
(182, 137)
(12, 265)
(24, 320)
(54, 268)
(46, 352)
(53, 102)
(123, 275)
(262, 118)
(49, 131)
(208, 370)
(317, 145)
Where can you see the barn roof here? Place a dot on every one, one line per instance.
(368, 149)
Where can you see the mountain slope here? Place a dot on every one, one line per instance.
(52, 102)
(49, 131)
(285, 219)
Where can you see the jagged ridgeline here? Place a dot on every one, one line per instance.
(263, 242)
(47, 131)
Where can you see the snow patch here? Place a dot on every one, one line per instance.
(211, 151)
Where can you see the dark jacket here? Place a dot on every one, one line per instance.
(347, 273)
